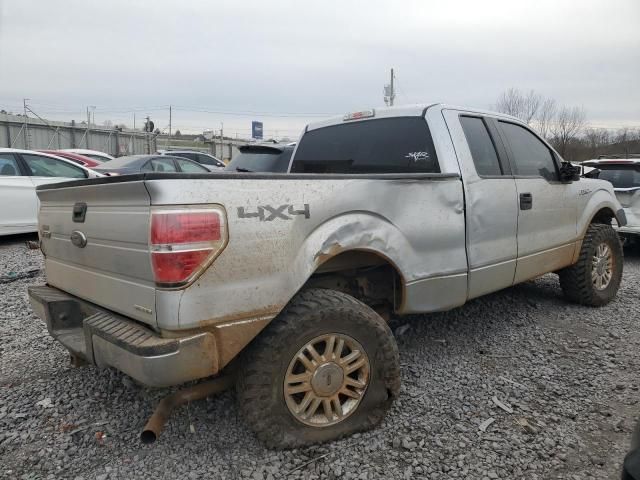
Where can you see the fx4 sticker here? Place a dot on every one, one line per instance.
(267, 213)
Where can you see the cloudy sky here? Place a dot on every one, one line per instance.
(289, 62)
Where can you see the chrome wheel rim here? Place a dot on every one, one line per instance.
(602, 267)
(326, 380)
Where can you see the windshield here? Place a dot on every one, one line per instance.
(620, 177)
(264, 160)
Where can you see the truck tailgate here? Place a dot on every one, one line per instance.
(104, 257)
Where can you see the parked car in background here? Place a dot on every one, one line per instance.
(94, 154)
(21, 171)
(150, 163)
(262, 158)
(74, 157)
(624, 175)
(212, 163)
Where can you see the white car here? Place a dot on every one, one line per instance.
(21, 171)
(94, 154)
(624, 175)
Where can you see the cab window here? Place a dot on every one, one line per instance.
(483, 151)
(529, 155)
(387, 145)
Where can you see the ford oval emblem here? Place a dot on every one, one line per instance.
(79, 239)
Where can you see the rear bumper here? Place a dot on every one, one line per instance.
(106, 339)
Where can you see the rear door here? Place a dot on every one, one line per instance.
(17, 197)
(547, 208)
(491, 202)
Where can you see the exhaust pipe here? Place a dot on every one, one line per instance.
(156, 422)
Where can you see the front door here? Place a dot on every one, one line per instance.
(547, 208)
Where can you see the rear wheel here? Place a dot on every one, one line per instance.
(595, 278)
(327, 367)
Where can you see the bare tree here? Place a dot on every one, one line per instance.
(596, 138)
(545, 117)
(567, 126)
(520, 105)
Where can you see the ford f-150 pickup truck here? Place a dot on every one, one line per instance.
(287, 279)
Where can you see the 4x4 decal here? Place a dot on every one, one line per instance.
(267, 213)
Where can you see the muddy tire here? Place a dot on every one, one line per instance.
(326, 367)
(595, 278)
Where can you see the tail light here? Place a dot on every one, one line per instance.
(184, 241)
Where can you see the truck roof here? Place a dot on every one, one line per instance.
(415, 110)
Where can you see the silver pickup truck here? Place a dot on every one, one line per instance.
(287, 280)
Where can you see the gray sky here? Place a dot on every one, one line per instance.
(302, 60)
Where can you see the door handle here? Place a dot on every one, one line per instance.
(526, 201)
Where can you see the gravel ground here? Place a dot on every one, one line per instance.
(568, 373)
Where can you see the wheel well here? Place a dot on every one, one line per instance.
(371, 278)
(604, 215)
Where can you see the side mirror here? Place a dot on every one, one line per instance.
(569, 172)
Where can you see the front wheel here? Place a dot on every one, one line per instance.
(595, 278)
(327, 367)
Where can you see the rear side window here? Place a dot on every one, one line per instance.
(51, 167)
(8, 165)
(619, 177)
(481, 146)
(530, 157)
(389, 145)
(190, 167)
(163, 165)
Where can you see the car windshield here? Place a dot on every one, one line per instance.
(619, 176)
(261, 160)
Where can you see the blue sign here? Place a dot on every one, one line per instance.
(256, 130)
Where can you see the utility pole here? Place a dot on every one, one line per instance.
(146, 129)
(169, 139)
(389, 91)
(88, 123)
(26, 125)
(393, 93)
(221, 140)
